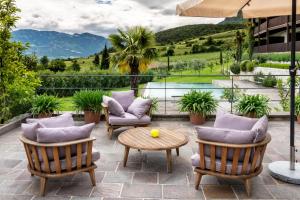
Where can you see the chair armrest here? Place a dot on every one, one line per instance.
(59, 144)
(104, 105)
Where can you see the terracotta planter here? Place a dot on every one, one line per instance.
(251, 115)
(91, 117)
(298, 119)
(45, 115)
(197, 119)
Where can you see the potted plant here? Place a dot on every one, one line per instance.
(297, 108)
(253, 105)
(44, 105)
(89, 101)
(199, 105)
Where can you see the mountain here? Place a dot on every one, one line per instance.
(60, 45)
(194, 31)
(233, 20)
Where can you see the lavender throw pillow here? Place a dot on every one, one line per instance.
(260, 128)
(114, 107)
(124, 98)
(64, 120)
(230, 121)
(29, 130)
(139, 107)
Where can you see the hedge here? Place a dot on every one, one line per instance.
(66, 83)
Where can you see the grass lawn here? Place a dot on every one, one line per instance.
(213, 56)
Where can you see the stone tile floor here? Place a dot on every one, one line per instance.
(145, 177)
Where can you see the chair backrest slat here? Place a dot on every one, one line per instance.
(245, 168)
(29, 156)
(79, 155)
(255, 159)
(45, 159)
(56, 160)
(235, 161)
(68, 158)
(224, 159)
(262, 153)
(89, 153)
(202, 156)
(212, 157)
(36, 158)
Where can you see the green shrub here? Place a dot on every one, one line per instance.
(269, 81)
(232, 95)
(44, 104)
(275, 65)
(297, 105)
(244, 65)
(259, 77)
(198, 102)
(88, 100)
(250, 66)
(253, 105)
(235, 68)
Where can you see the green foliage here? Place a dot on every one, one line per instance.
(105, 60)
(30, 61)
(275, 57)
(57, 65)
(44, 104)
(44, 61)
(250, 39)
(244, 65)
(75, 66)
(96, 60)
(17, 84)
(239, 39)
(284, 95)
(253, 105)
(154, 105)
(198, 102)
(259, 77)
(232, 95)
(269, 81)
(250, 66)
(297, 105)
(88, 100)
(170, 52)
(194, 31)
(275, 65)
(235, 68)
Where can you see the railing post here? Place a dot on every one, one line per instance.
(231, 102)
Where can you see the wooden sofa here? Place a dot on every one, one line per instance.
(251, 165)
(59, 167)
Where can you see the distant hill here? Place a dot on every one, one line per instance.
(233, 20)
(60, 45)
(193, 31)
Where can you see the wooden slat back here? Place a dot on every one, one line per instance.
(89, 153)
(202, 156)
(224, 160)
(256, 159)
(37, 164)
(212, 157)
(79, 156)
(29, 155)
(45, 159)
(68, 158)
(56, 160)
(245, 168)
(235, 161)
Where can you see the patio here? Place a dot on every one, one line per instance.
(145, 176)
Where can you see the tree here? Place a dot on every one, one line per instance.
(105, 58)
(75, 66)
(30, 61)
(170, 51)
(251, 39)
(239, 39)
(134, 51)
(57, 65)
(44, 62)
(17, 84)
(221, 62)
(96, 60)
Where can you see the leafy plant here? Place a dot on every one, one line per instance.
(297, 105)
(198, 102)
(250, 66)
(44, 104)
(232, 95)
(88, 100)
(269, 81)
(259, 77)
(284, 95)
(235, 68)
(244, 65)
(253, 105)
(154, 105)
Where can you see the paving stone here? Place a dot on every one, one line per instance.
(9, 163)
(130, 167)
(52, 198)
(257, 192)
(14, 187)
(51, 188)
(174, 178)
(145, 177)
(141, 191)
(75, 189)
(218, 192)
(284, 191)
(181, 192)
(118, 177)
(84, 178)
(16, 197)
(107, 190)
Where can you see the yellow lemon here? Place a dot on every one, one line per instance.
(155, 133)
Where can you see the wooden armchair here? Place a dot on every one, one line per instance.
(59, 167)
(251, 165)
(145, 121)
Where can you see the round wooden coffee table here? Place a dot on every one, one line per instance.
(139, 138)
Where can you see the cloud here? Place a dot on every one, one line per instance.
(101, 17)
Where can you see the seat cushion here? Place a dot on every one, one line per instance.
(95, 157)
(196, 163)
(129, 120)
(64, 120)
(230, 121)
(139, 107)
(260, 128)
(114, 107)
(125, 98)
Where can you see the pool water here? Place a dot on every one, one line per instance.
(175, 90)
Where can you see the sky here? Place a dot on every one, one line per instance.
(101, 17)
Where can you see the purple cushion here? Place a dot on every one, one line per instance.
(230, 121)
(29, 130)
(129, 120)
(260, 128)
(139, 107)
(64, 120)
(125, 98)
(114, 107)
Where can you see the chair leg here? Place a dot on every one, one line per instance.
(247, 183)
(198, 178)
(110, 132)
(43, 182)
(92, 176)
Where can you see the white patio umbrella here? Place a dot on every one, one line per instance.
(286, 171)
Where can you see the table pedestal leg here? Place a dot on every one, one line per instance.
(169, 161)
(126, 155)
(177, 151)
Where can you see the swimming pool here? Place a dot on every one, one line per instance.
(157, 89)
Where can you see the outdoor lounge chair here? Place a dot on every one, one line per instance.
(230, 159)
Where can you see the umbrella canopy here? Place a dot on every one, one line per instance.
(231, 8)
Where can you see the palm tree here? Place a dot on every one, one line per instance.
(134, 51)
